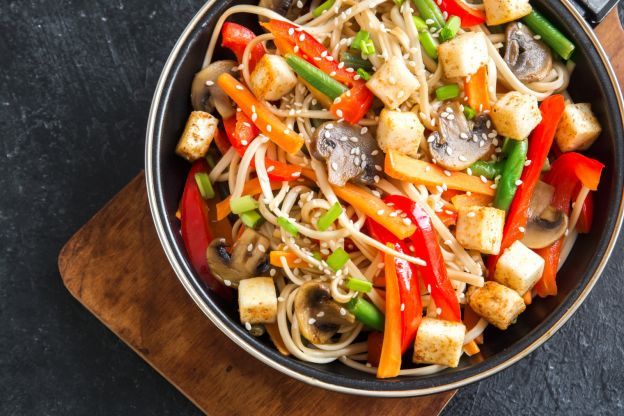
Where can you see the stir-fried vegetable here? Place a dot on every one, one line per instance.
(447, 92)
(359, 285)
(428, 42)
(390, 360)
(488, 170)
(476, 90)
(549, 34)
(323, 7)
(469, 16)
(367, 313)
(251, 188)
(236, 37)
(512, 170)
(204, 185)
(430, 12)
(329, 217)
(337, 259)
(351, 60)
(315, 77)
(450, 29)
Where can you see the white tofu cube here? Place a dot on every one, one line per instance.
(400, 131)
(393, 83)
(515, 115)
(272, 78)
(480, 228)
(257, 300)
(463, 55)
(578, 128)
(197, 136)
(497, 304)
(519, 268)
(503, 11)
(439, 342)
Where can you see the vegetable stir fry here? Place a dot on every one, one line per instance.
(378, 181)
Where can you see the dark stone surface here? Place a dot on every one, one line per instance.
(76, 80)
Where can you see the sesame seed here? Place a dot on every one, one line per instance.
(296, 48)
(407, 221)
(528, 162)
(521, 229)
(250, 247)
(247, 326)
(471, 214)
(254, 117)
(378, 168)
(209, 83)
(291, 31)
(363, 131)
(402, 307)
(272, 272)
(427, 168)
(244, 142)
(483, 179)
(269, 128)
(343, 311)
(376, 178)
(537, 37)
(447, 173)
(227, 282)
(462, 158)
(438, 311)
(239, 87)
(311, 321)
(339, 113)
(449, 151)
(334, 166)
(518, 182)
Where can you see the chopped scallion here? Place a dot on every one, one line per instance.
(359, 285)
(243, 204)
(447, 92)
(317, 255)
(450, 29)
(322, 8)
(362, 73)
(288, 226)
(329, 217)
(549, 34)
(337, 259)
(251, 219)
(361, 37)
(469, 112)
(205, 186)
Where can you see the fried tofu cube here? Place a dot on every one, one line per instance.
(257, 300)
(393, 83)
(439, 342)
(515, 115)
(463, 55)
(496, 303)
(503, 11)
(197, 136)
(519, 268)
(400, 131)
(480, 228)
(578, 128)
(272, 78)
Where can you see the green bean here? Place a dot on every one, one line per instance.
(430, 12)
(488, 170)
(317, 78)
(549, 34)
(428, 42)
(367, 313)
(512, 170)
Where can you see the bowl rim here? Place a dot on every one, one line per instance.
(218, 321)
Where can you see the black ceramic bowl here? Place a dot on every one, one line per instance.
(593, 81)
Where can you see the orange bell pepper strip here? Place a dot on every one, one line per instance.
(390, 359)
(476, 90)
(292, 260)
(261, 116)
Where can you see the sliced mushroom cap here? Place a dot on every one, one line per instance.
(530, 59)
(459, 142)
(318, 315)
(206, 94)
(351, 153)
(545, 224)
(286, 8)
(242, 263)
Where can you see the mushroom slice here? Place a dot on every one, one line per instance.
(459, 142)
(545, 224)
(285, 8)
(351, 153)
(528, 58)
(206, 94)
(246, 260)
(318, 315)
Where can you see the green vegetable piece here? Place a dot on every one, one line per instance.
(337, 259)
(317, 255)
(322, 8)
(512, 170)
(399, 2)
(288, 226)
(317, 78)
(488, 170)
(430, 12)
(205, 186)
(428, 42)
(368, 47)
(549, 34)
(362, 73)
(243, 204)
(329, 217)
(450, 29)
(361, 36)
(359, 285)
(367, 313)
(251, 219)
(447, 92)
(351, 60)
(469, 112)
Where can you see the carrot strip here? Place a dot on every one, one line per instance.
(471, 348)
(261, 116)
(465, 200)
(252, 188)
(390, 360)
(527, 297)
(275, 258)
(275, 336)
(476, 90)
(399, 166)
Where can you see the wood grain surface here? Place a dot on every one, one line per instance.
(114, 265)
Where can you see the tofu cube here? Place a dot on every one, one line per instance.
(503, 11)
(519, 268)
(393, 83)
(497, 304)
(197, 136)
(515, 115)
(463, 55)
(578, 128)
(400, 131)
(480, 228)
(272, 78)
(439, 342)
(257, 300)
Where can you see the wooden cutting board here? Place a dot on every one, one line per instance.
(114, 265)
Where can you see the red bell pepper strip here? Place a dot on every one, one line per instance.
(426, 246)
(390, 360)
(195, 227)
(222, 142)
(584, 222)
(409, 291)
(540, 142)
(566, 174)
(353, 104)
(469, 15)
(281, 172)
(236, 37)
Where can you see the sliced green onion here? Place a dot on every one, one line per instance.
(447, 92)
(359, 285)
(317, 255)
(361, 36)
(428, 42)
(251, 219)
(450, 29)
(367, 313)
(549, 34)
(317, 78)
(288, 226)
(322, 8)
(243, 204)
(351, 60)
(337, 259)
(363, 74)
(205, 187)
(430, 12)
(329, 217)
(469, 112)
(368, 47)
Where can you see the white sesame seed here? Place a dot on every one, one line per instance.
(438, 311)
(247, 326)
(343, 311)
(250, 247)
(528, 162)
(227, 282)
(407, 221)
(483, 179)
(254, 117)
(291, 31)
(449, 151)
(334, 166)
(239, 87)
(471, 214)
(447, 173)
(518, 182)
(402, 307)
(339, 113)
(521, 229)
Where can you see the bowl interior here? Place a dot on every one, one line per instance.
(590, 83)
